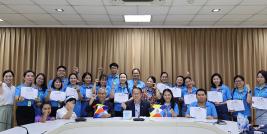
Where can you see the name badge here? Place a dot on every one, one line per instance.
(29, 103)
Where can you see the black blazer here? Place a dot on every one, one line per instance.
(144, 107)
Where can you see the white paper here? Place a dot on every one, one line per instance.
(235, 105)
(120, 97)
(198, 113)
(259, 103)
(177, 92)
(57, 96)
(215, 96)
(29, 93)
(162, 86)
(189, 98)
(89, 93)
(72, 92)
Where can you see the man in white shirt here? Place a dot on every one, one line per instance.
(66, 112)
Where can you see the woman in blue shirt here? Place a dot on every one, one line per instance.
(121, 88)
(221, 107)
(203, 103)
(57, 85)
(242, 92)
(261, 91)
(86, 86)
(164, 82)
(73, 83)
(170, 107)
(40, 85)
(188, 90)
(102, 83)
(25, 112)
(180, 84)
(150, 92)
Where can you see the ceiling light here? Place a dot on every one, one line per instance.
(216, 10)
(1, 20)
(59, 10)
(137, 18)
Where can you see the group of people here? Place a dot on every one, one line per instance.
(109, 95)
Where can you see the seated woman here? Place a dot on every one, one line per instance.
(150, 92)
(171, 108)
(45, 113)
(100, 102)
(67, 112)
(203, 103)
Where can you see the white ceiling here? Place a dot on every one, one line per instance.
(107, 13)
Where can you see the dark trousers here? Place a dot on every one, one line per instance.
(222, 112)
(25, 115)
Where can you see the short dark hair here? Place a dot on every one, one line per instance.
(163, 73)
(28, 71)
(137, 89)
(201, 89)
(153, 79)
(211, 80)
(187, 77)
(85, 74)
(43, 86)
(53, 83)
(113, 65)
(61, 66)
(8, 71)
(239, 76)
(136, 69)
(264, 74)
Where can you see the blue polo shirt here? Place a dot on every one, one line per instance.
(211, 110)
(65, 82)
(225, 90)
(258, 92)
(185, 92)
(242, 96)
(25, 102)
(41, 96)
(113, 79)
(167, 112)
(120, 89)
(140, 84)
(84, 103)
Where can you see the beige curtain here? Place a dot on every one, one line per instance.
(201, 52)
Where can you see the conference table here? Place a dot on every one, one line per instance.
(117, 125)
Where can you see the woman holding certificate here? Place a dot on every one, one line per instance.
(260, 93)
(40, 85)
(55, 95)
(219, 94)
(121, 94)
(25, 95)
(188, 93)
(7, 94)
(164, 82)
(170, 107)
(102, 83)
(243, 93)
(87, 92)
(73, 89)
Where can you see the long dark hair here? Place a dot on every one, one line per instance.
(211, 80)
(43, 86)
(162, 101)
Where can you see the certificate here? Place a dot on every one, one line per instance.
(72, 92)
(29, 93)
(162, 86)
(57, 96)
(235, 105)
(215, 96)
(177, 92)
(259, 103)
(188, 99)
(198, 112)
(120, 97)
(89, 93)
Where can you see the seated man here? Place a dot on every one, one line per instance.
(138, 106)
(202, 102)
(99, 102)
(66, 112)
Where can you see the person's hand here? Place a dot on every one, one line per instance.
(106, 116)
(231, 111)
(96, 81)
(209, 117)
(93, 96)
(135, 82)
(123, 105)
(37, 100)
(217, 103)
(20, 99)
(173, 113)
